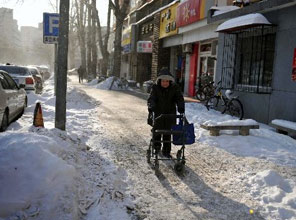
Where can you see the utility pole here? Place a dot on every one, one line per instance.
(61, 87)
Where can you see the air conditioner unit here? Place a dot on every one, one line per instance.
(187, 48)
(214, 45)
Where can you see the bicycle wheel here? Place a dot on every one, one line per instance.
(200, 95)
(212, 103)
(235, 108)
(208, 91)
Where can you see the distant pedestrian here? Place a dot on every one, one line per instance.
(80, 74)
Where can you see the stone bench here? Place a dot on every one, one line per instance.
(284, 127)
(215, 129)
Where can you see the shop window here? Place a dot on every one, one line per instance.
(248, 65)
(205, 47)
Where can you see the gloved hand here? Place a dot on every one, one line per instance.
(150, 119)
(181, 110)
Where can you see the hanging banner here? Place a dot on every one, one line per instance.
(294, 66)
(126, 40)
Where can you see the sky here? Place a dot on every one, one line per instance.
(30, 12)
(40, 167)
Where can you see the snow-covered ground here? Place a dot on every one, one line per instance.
(46, 173)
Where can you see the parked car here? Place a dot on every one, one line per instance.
(21, 75)
(37, 79)
(13, 100)
(44, 71)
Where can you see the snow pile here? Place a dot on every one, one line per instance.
(31, 174)
(276, 194)
(93, 82)
(284, 123)
(263, 143)
(234, 122)
(112, 83)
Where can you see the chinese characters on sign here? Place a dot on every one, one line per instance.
(50, 39)
(168, 24)
(50, 28)
(189, 12)
(294, 66)
(147, 28)
(144, 47)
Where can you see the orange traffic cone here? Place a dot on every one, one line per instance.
(38, 118)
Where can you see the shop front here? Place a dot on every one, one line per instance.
(142, 61)
(199, 43)
(168, 34)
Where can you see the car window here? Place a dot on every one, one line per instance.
(10, 83)
(15, 70)
(4, 82)
(34, 72)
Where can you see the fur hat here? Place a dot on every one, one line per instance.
(165, 74)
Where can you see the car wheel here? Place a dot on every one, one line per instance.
(5, 121)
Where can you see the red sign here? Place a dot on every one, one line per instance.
(294, 66)
(188, 12)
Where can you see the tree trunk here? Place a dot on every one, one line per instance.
(93, 41)
(104, 44)
(81, 31)
(117, 47)
(120, 12)
(89, 50)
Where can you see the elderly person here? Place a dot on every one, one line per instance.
(165, 98)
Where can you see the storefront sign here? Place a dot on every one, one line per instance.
(294, 66)
(190, 11)
(126, 40)
(144, 47)
(168, 24)
(147, 29)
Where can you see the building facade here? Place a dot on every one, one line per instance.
(257, 60)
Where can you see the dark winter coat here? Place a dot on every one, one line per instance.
(164, 101)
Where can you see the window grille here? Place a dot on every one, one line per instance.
(248, 57)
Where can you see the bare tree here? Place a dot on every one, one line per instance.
(120, 12)
(94, 49)
(88, 43)
(103, 42)
(81, 24)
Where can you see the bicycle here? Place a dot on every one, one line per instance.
(204, 92)
(227, 103)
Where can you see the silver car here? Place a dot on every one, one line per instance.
(13, 100)
(21, 75)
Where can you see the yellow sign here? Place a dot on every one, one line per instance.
(168, 25)
(126, 36)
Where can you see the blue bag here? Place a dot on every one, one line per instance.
(189, 133)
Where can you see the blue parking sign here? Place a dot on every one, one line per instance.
(50, 28)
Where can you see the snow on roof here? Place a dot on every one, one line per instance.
(222, 9)
(242, 22)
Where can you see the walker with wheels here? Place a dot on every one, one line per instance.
(153, 153)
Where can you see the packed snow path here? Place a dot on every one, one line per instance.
(212, 186)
